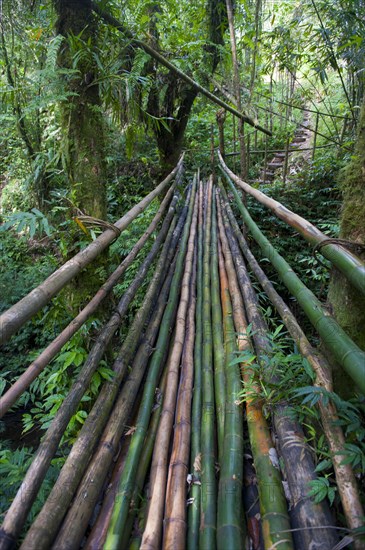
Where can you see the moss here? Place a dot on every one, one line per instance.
(347, 304)
(353, 211)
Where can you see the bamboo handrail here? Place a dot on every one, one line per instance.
(15, 317)
(349, 264)
(344, 350)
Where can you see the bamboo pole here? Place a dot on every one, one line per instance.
(273, 506)
(44, 529)
(163, 61)
(151, 539)
(121, 507)
(207, 534)
(22, 311)
(175, 525)
(345, 478)
(349, 264)
(230, 518)
(315, 521)
(195, 455)
(217, 332)
(20, 507)
(35, 368)
(344, 350)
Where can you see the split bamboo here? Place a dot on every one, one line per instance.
(176, 491)
(20, 507)
(48, 521)
(9, 398)
(345, 478)
(151, 539)
(22, 311)
(195, 455)
(344, 350)
(273, 506)
(208, 514)
(122, 503)
(349, 264)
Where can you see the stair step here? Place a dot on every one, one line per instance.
(300, 139)
(275, 165)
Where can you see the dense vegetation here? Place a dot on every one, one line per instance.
(91, 123)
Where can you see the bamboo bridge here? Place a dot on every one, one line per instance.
(216, 472)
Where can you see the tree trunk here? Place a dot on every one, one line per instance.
(347, 303)
(81, 115)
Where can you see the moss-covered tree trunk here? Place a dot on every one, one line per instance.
(82, 128)
(347, 303)
(82, 119)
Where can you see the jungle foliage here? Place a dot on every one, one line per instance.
(91, 123)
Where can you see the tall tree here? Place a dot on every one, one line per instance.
(82, 120)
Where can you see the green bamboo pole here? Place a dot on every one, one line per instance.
(207, 536)
(344, 350)
(194, 507)
(230, 518)
(345, 478)
(159, 468)
(218, 347)
(121, 507)
(349, 264)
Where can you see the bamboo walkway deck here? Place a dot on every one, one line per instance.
(178, 450)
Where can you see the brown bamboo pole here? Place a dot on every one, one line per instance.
(45, 527)
(9, 398)
(20, 507)
(152, 534)
(349, 264)
(176, 492)
(22, 311)
(163, 61)
(345, 478)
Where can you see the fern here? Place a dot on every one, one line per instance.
(52, 53)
